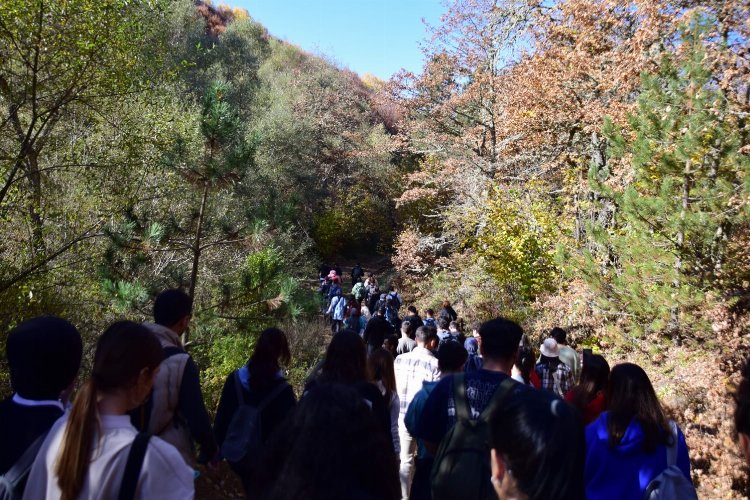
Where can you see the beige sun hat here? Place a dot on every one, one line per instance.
(550, 348)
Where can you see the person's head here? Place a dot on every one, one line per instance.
(391, 288)
(426, 337)
(550, 352)
(499, 339)
(538, 448)
(346, 359)
(412, 310)
(44, 355)
(471, 345)
(381, 311)
(271, 352)
(353, 456)
(742, 412)
(173, 309)
(525, 362)
(453, 326)
(369, 275)
(451, 357)
(126, 361)
(630, 396)
(443, 323)
(475, 328)
(406, 328)
(429, 313)
(380, 364)
(390, 344)
(446, 304)
(560, 335)
(594, 379)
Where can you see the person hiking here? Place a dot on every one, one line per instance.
(258, 382)
(568, 355)
(447, 312)
(359, 291)
(413, 318)
(554, 375)
(44, 356)
(88, 451)
(451, 359)
(589, 396)
(336, 311)
(477, 390)
(395, 297)
(405, 343)
(175, 411)
(380, 364)
(391, 314)
(538, 448)
(628, 445)
(429, 318)
(357, 272)
(411, 369)
(376, 330)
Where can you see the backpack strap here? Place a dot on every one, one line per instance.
(672, 450)
(500, 394)
(459, 396)
(19, 470)
(133, 466)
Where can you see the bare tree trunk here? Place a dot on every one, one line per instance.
(197, 251)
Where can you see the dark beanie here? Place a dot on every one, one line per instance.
(44, 355)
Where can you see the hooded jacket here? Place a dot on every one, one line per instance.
(623, 472)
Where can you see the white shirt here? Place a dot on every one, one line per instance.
(411, 370)
(164, 474)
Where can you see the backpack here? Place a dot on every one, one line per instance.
(671, 484)
(429, 322)
(462, 462)
(243, 444)
(359, 292)
(10, 482)
(395, 300)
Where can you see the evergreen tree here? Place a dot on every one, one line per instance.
(664, 246)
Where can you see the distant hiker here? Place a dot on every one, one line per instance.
(538, 449)
(44, 355)
(451, 359)
(380, 364)
(448, 312)
(391, 314)
(429, 318)
(337, 268)
(568, 355)
(474, 359)
(590, 395)
(405, 343)
(323, 270)
(376, 330)
(88, 452)
(359, 291)
(260, 386)
(395, 297)
(555, 375)
(373, 297)
(336, 311)
(455, 332)
(371, 281)
(357, 273)
(470, 396)
(413, 318)
(354, 321)
(442, 330)
(633, 442)
(524, 366)
(175, 411)
(411, 369)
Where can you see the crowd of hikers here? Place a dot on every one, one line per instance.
(402, 405)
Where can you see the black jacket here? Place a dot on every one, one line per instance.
(377, 330)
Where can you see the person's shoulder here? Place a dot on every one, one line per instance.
(164, 455)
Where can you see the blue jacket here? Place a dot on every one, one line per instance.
(624, 472)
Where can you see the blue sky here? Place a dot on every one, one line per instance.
(367, 36)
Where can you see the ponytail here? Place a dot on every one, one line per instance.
(75, 453)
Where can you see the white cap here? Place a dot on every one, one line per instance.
(550, 348)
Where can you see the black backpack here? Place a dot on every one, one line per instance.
(462, 463)
(243, 443)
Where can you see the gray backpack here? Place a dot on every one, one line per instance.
(671, 484)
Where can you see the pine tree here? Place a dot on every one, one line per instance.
(685, 192)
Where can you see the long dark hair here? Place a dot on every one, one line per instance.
(271, 352)
(594, 378)
(353, 457)
(541, 439)
(122, 352)
(346, 359)
(380, 364)
(630, 396)
(525, 362)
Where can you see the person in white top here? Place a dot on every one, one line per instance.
(85, 453)
(411, 369)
